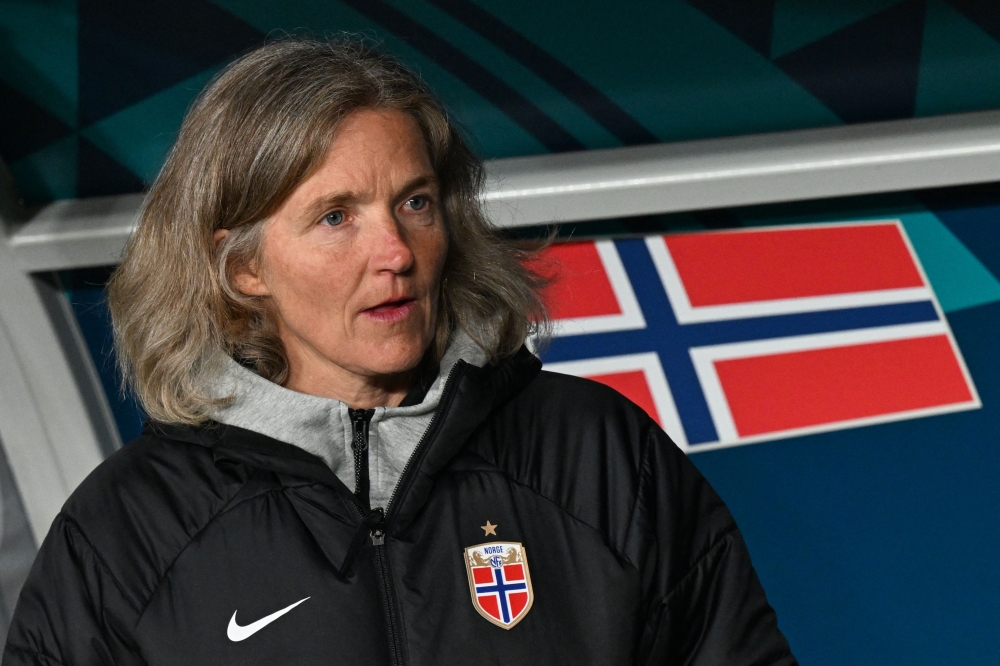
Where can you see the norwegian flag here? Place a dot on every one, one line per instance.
(734, 337)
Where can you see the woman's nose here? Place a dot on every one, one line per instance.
(389, 247)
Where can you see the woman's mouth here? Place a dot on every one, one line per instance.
(391, 311)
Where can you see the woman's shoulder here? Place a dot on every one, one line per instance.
(578, 443)
(160, 465)
(603, 460)
(139, 508)
(567, 399)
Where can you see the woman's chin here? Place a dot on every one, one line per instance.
(394, 359)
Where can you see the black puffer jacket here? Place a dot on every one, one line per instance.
(192, 537)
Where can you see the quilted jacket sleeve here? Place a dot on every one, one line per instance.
(706, 605)
(72, 611)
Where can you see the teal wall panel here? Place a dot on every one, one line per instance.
(678, 72)
(521, 77)
(800, 22)
(959, 67)
(38, 48)
(139, 136)
(959, 279)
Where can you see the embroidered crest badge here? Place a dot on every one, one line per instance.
(500, 582)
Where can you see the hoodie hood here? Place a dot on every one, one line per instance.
(322, 426)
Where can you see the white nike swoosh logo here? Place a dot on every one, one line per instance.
(237, 633)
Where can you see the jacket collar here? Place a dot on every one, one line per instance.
(322, 426)
(471, 395)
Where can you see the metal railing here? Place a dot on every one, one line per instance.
(623, 182)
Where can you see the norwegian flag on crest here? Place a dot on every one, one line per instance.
(734, 337)
(500, 582)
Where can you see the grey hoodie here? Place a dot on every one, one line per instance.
(322, 426)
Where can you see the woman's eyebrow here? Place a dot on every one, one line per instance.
(422, 180)
(327, 201)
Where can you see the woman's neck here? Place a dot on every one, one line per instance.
(358, 392)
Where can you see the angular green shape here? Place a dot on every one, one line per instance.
(671, 67)
(139, 136)
(513, 73)
(491, 133)
(959, 279)
(38, 53)
(801, 22)
(959, 66)
(47, 174)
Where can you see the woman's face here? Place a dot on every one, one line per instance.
(352, 261)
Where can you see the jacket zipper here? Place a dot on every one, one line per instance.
(379, 529)
(446, 397)
(385, 587)
(361, 420)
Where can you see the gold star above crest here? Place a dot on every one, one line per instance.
(489, 528)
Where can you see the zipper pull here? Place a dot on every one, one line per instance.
(360, 419)
(378, 528)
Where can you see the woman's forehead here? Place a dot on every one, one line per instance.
(367, 135)
(374, 153)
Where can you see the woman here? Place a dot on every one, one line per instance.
(347, 430)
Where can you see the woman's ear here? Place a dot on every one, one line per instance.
(247, 278)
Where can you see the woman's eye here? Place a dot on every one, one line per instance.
(334, 218)
(418, 203)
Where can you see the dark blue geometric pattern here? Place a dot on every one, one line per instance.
(867, 71)
(127, 53)
(30, 126)
(131, 50)
(750, 20)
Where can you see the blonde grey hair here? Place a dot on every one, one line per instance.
(257, 131)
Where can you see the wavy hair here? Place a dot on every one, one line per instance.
(258, 130)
